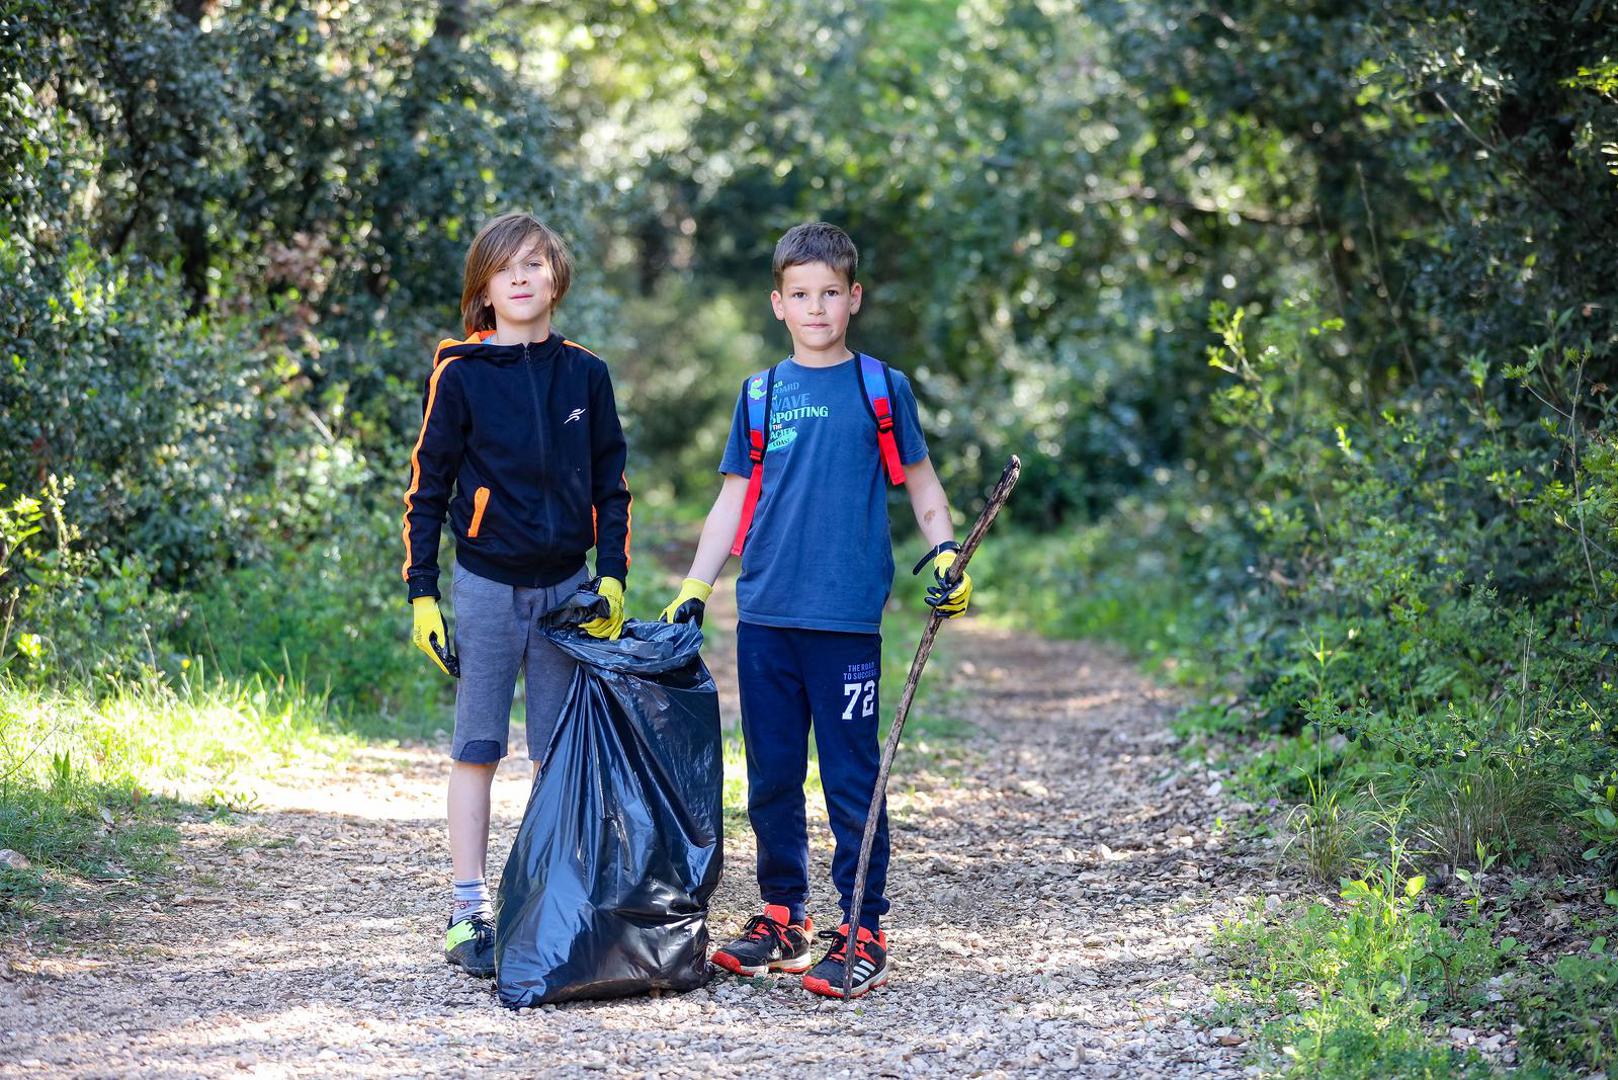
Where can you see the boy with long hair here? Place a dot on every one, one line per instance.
(521, 449)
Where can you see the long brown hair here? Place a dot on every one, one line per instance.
(496, 244)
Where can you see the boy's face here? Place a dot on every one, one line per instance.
(815, 302)
(523, 289)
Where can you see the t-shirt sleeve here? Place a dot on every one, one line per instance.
(912, 443)
(736, 460)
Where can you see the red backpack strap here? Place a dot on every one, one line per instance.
(878, 387)
(757, 391)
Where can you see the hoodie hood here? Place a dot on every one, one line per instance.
(477, 346)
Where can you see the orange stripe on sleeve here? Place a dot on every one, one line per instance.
(629, 518)
(415, 452)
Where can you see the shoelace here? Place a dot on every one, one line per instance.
(761, 926)
(839, 946)
(482, 929)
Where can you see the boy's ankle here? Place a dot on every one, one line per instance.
(459, 911)
(468, 898)
(786, 914)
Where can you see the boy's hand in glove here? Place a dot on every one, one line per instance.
(427, 633)
(690, 605)
(610, 625)
(954, 603)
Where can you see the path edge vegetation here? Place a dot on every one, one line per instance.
(1430, 754)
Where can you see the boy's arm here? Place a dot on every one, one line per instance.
(929, 502)
(719, 531)
(434, 462)
(931, 505)
(713, 549)
(610, 495)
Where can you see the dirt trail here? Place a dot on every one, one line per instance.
(1055, 876)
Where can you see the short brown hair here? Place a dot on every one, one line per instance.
(816, 242)
(495, 245)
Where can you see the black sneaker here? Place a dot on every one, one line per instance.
(870, 964)
(768, 943)
(469, 945)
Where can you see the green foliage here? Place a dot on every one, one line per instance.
(73, 611)
(327, 607)
(1570, 1011)
(1327, 833)
(681, 358)
(1516, 808)
(1396, 548)
(1598, 824)
(334, 621)
(1346, 989)
(234, 235)
(146, 408)
(19, 524)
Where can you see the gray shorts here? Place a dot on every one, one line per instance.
(497, 635)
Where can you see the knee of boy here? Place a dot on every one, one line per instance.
(480, 752)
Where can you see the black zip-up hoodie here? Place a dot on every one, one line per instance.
(527, 438)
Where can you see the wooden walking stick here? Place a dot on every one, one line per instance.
(952, 576)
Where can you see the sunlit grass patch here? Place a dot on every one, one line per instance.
(91, 782)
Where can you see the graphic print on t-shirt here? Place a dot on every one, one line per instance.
(791, 405)
(823, 503)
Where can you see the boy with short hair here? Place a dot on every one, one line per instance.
(812, 444)
(521, 448)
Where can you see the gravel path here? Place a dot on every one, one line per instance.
(1056, 877)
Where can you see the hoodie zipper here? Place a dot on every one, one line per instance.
(541, 429)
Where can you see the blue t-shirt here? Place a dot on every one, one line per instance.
(819, 556)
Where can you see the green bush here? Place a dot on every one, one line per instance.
(333, 617)
(66, 612)
(156, 415)
(322, 600)
(1395, 601)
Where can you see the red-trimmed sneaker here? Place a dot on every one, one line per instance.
(870, 964)
(768, 943)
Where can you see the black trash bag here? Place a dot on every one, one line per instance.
(606, 890)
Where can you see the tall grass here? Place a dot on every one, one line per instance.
(91, 777)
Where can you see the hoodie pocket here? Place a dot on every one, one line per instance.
(480, 503)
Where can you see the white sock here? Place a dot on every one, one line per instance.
(470, 898)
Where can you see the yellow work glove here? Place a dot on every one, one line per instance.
(610, 625)
(943, 557)
(690, 605)
(428, 634)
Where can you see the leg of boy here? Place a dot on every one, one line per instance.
(489, 638)
(844, 673)
(775, 734)
(469, 786)
(547, 670)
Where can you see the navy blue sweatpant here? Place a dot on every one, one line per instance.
(788, 678)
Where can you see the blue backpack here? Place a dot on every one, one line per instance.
(877, 386)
